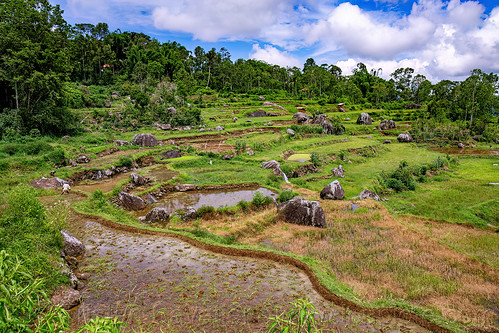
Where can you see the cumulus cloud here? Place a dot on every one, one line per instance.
(272, 55)
(211, 20)
(359, 33)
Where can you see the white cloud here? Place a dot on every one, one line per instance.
(211, 20)
(271, 55)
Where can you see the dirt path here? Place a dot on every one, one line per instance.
(158, 283)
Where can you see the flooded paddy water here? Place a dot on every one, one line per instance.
(198, 199)
(156, 283)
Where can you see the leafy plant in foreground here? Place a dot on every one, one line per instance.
(299, 319)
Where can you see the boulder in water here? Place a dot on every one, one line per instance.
(72, 246)
(65, 297)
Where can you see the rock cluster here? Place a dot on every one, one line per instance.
(327, 125)
(386, 124)
(338, 172)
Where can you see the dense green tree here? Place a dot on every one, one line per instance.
(34, 64)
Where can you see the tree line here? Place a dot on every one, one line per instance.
(40, 52)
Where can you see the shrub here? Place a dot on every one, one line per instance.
(244, 205)
(286, 195)
(98, 198)
(204, 210)
(125, 161)
(57, 156)
(315, 159)
(30, 234)
(259, 199)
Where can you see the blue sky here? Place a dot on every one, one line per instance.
(442, 39)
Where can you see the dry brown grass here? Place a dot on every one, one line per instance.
(380, 255)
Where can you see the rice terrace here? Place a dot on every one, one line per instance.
(146, 187)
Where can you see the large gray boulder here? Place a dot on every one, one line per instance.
(65, 297)
(405, 137)
(137, 179)
(301, 211)
(364, 119)
(366, 194)
(301, 117)
(327, 125)
(290, 132)
(73, 247)
(131, 202)
(171, 154)
(48, 183)
(333, 191)
(145, 139)
(158, 214)
(257, 114)
(386, 124)
(275, 167)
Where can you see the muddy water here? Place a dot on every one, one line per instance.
(105, 185)
(197, 199)
(465, 151)
(155, 283)
(160, 173)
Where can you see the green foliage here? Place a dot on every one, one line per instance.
(301, 318)
(29, 232)
(58, 156)
(260, 200)
(125, 161)
(98, 199)
(308, 129)
(315, 159)
(102, 325)
(286, 195)
(24, 305)
(204, 210)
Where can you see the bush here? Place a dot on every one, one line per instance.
(29, 232)
(125, 161)
(204, 210)
(315, 159)
(260, 200)
(57, 156)
(286, 195)
(244, 205)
